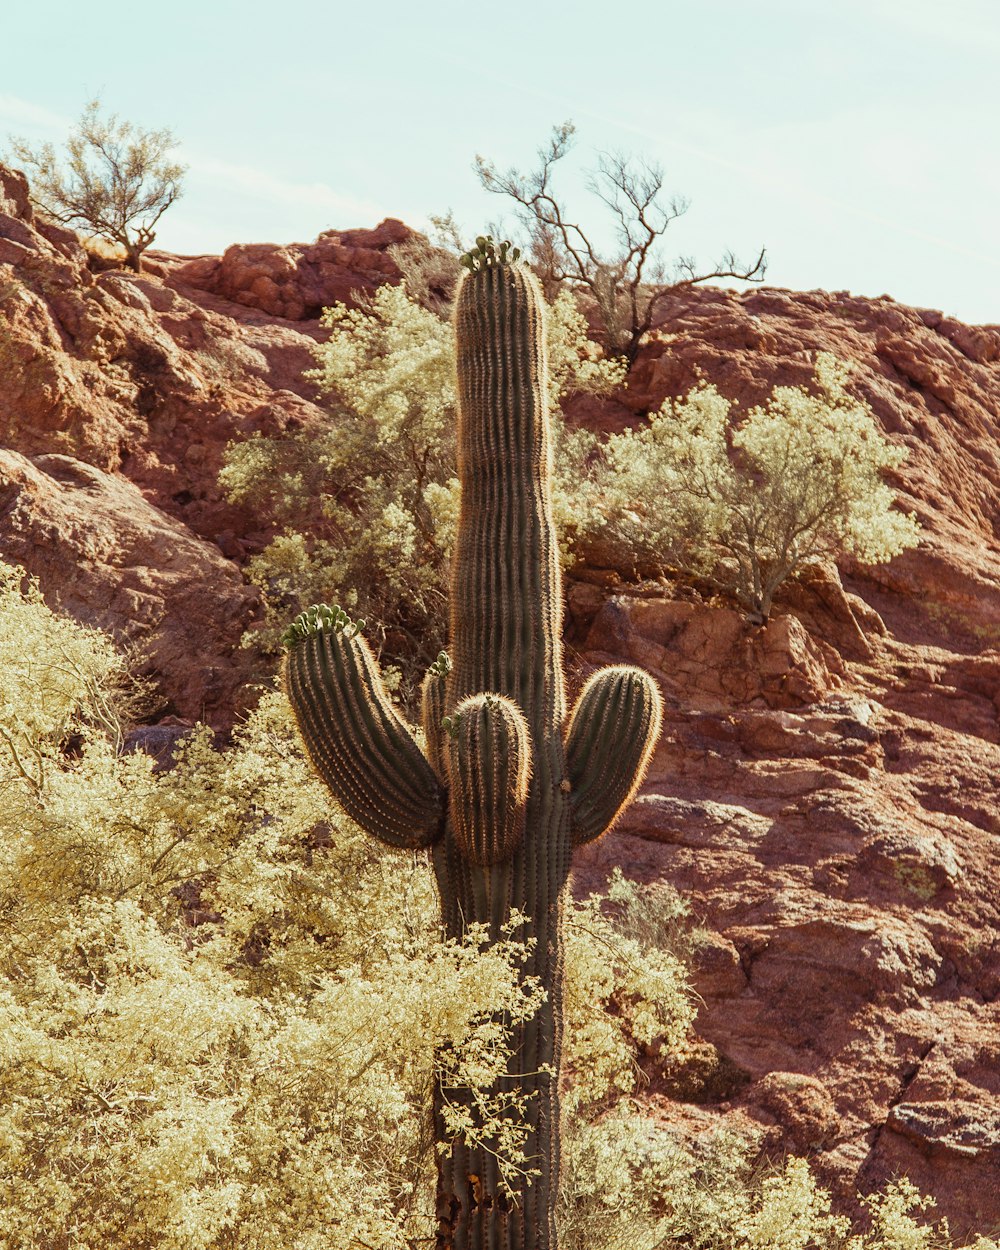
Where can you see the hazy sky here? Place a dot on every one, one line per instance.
(856, 139)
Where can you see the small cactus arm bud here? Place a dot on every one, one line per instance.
(612, 733)
(489, 767)
(432, 707)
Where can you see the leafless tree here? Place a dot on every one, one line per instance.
(117, 180)
(629, 286)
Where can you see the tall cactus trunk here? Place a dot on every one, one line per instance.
(475, 1210)
(505, 787)
(506, 630)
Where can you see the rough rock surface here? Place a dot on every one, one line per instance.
(106, 557)
(298, 281)
(829, 803)
(826, 788)
(146, 380)
(142, 375)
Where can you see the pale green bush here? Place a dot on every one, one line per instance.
(629, 1184)
(221, 1008)
(369, 503)
(796, 482)
(615, 962)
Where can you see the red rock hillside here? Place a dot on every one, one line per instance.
(825, 792)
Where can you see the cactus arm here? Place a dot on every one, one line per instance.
(611, 736)
(358, 744)
(433, 705)
(488, 756)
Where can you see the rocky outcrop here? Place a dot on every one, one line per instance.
(152, 375)
(709, 658)
(833, 818)
(297, 281)
(836, 829)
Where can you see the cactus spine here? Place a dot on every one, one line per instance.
(507, 787)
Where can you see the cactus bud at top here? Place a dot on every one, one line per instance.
(487, 254)
(321, 618)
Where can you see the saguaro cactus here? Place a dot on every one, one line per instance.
(508, 785)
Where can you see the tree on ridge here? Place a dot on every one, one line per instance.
(117, 180)
(629, 286)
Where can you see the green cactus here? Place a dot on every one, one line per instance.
(508, 785)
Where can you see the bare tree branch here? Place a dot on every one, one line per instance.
(117, 181)
(629, 286)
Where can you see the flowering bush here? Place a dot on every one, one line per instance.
(220, 1006)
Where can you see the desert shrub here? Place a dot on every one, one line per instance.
(745, 506)
(629, 1184)
(623, 990)
(71, 680)
(221, 1007)
(427, 264)
(368, 504)
(615, 1172)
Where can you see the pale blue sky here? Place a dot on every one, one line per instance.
(856, 139)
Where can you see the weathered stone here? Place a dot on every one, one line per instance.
(801, 1104)
(109, 559)
(968, 1130)
(713, 654)
(298, 281)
